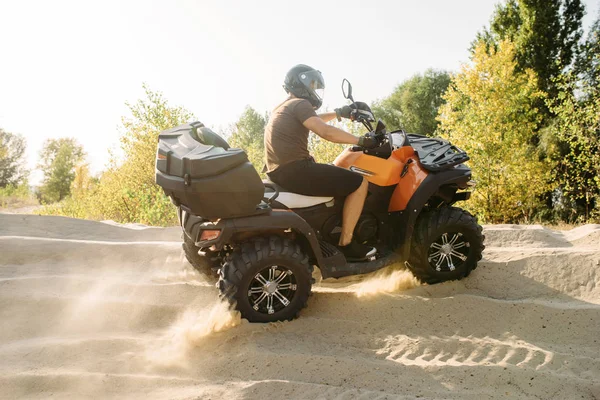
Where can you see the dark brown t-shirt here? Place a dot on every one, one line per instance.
(286, 139)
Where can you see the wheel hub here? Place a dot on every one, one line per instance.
(272, 289)
(446, 249)
(448, 252)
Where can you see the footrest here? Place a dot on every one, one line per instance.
(332, 256)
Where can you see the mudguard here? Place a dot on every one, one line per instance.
(407, 219)
(264, 219)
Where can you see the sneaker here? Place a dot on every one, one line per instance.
(357, 252)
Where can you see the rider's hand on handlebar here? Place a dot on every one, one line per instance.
(361, 110)
(350, 111)
(343, 112)
(368, 141)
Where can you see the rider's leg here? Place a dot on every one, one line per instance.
(311, 179)
(353, 206)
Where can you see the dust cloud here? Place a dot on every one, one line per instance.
(386, 281)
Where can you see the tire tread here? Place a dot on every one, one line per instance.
(426, 227)
(248, 254)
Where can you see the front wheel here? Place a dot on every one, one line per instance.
(267, 279)
(446, 245)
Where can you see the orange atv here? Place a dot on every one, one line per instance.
(264, 241)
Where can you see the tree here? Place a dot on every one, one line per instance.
(577, 124)
(83, 181)
(59, 158)
(12, 162)
(149, 117)
(248, 134)
(413, 105)
(490, 112)
(545, 33)
(588, 62)
(126, 191)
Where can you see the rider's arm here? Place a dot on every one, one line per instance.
(326, 117)
(329, 132)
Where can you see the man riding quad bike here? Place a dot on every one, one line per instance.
(388, 198)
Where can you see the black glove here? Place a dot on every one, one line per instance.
(343, 112)
(368, 141)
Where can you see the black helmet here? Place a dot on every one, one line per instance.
(306, 83)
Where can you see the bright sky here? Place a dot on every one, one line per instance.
(68, 67)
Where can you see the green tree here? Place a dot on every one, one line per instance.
(12, 159)
(413, 105)
(588, 62)
(490, 113)
(248, 134)
(59, 158)
(577, 124)
(546, 35)
(127, 188)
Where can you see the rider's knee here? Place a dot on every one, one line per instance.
(364, 185)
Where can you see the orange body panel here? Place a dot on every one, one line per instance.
(377, 170)
(387, 172)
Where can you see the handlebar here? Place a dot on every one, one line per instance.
(365, 117)
(380, 139)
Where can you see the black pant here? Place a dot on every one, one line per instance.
(312, 179)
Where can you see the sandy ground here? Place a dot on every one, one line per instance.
(97, 310)
(30, 209)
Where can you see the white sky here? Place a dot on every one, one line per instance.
(67, 67)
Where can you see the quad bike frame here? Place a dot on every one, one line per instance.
(215, 235)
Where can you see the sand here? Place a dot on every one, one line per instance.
(99, 310)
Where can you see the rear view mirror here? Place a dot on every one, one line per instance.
(347, 89)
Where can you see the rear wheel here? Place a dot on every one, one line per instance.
(446, 245)
(267, 279)
(204, 263)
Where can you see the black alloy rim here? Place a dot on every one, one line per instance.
(272, 289)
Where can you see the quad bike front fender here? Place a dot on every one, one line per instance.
(232, 230)
(432, 184)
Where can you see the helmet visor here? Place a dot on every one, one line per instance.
(313, 80)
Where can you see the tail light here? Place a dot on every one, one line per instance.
(209, 234)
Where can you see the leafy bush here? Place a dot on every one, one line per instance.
(15, 196)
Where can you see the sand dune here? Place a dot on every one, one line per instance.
(98, 310)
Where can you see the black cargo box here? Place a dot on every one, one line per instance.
(196, 168)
